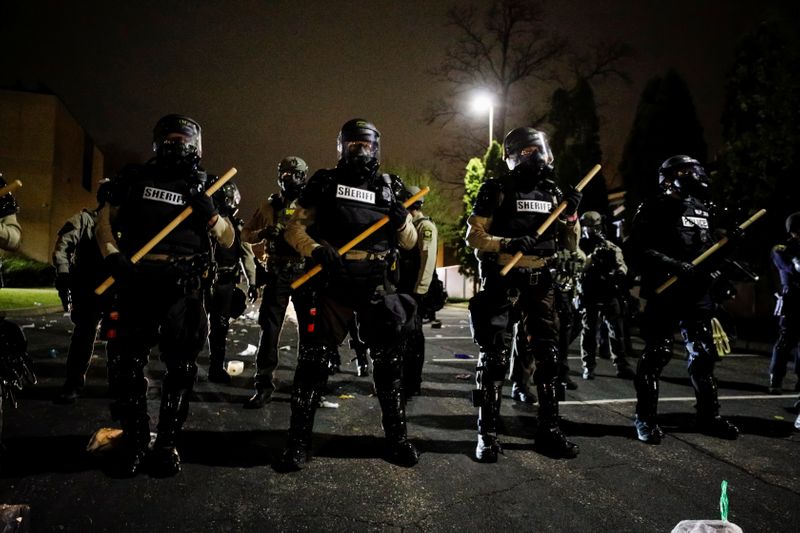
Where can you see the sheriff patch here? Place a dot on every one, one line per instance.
(351, 193)
(691, 222)
(534, 206)
(160, 195)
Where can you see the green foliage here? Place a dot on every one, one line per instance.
(760, 156)
(576, 143)
(666, 124)
(478, 170)
(437, 205)
(21, 271)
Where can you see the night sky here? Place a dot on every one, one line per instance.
(268, 79)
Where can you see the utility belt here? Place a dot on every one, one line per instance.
(228, 274)
(529, 270)
(534, 262)
(285, 263)
(192, 270)
(361, 255)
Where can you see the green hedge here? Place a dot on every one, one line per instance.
(21, 271)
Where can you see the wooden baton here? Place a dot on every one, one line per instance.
(11, 187)
(167, 229)
(553, 216)
(361, 236)
(719, 244)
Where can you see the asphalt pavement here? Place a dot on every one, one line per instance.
(228, 483)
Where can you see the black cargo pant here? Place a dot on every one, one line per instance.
(593, 316)
(527, 296)
(87, 311)
(788, 340)
(662, 315)
(162, 306)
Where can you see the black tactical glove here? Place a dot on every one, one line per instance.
(520, 244)
(328, 257)
(203, 207)
(62, 287)
(252, 293)
(682, 268)
(397, 215)
(120, 267)
(573, 199)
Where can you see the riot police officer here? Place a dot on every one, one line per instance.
(10, 230)
(79, 270)
(504, 220)
(16, 366)
(161, 296)
(336, 206)
(284, 264)
(668, 231)
(602, 284)
(416, 272)
(231, 263)
(786, 258)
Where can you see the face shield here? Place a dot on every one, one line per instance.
(177, 139)
(692, 180)
(527, 147)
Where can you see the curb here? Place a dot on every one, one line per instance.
(31, 311)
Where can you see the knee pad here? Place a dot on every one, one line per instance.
(312, 360)
(655, 357)
(493, 365)
(701, 365)
(180, 374)
(546, 356)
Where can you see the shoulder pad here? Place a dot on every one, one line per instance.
(115, 190)
(489, 198)
(314, 190)
(552, 187)
(273, 198)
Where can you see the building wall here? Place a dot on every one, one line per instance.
(43, 146)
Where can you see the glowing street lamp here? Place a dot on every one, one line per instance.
(481, 103)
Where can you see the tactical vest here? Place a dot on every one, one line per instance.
(88, 261)
(154, 197)
(344, 211)
(228, 258)
(410, 263)
(521, 213)
(694, 228)
(282, 212)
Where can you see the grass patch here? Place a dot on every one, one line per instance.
(12, 298)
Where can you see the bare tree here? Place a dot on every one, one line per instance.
(500, 49)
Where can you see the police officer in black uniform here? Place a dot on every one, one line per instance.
(504, 220)
(284, 265)
(161, 296)
(786, 258)
(16, 366)
(602, 287)
(231, 263)
(337, 205)
(667, 233)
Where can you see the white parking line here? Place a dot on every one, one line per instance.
(680, 399)
(574, 357)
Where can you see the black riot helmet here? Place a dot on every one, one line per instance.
(8, 205)
(177, 140)
(229, 196)
(527, 148)
(793, 223)
(684, 175)
(292, 173)
(359, 146)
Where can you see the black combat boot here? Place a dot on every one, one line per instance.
(647, 429)
(488, 401)
(708, 419)
(399, 449)
(521, 393)
(775, 385)
(217, 374)
(309, 380)
(549, 438)
(130, 457)
(298, 444)
(259, 399)
(164, 459)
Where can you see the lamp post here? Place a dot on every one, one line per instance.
(482, 102)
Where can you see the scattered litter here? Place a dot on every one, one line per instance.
(779, 417)
(235, 368)
(328, 405)
(438, 335)
(37, 304)
(286, 348)
(52, 353)
(464, 377)
(462, 356)
(103, 440)
(250, 350)
(28, 326)
(346, 397)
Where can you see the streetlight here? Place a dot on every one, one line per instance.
(480, 103)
